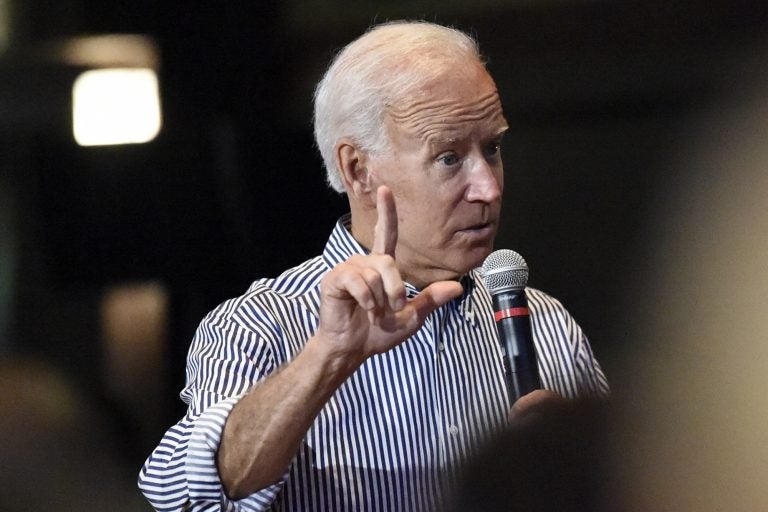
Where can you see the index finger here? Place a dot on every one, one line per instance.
(385, 232)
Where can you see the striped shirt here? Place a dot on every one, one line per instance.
(394, 434)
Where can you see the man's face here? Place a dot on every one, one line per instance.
(446, 174)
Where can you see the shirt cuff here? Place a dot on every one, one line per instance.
(203, 472)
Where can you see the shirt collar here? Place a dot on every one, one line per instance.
(341, 245)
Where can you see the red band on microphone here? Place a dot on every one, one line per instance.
(506, 313)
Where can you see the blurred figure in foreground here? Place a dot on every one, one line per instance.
(552, 459)
(692, 435)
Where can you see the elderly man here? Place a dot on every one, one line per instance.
(363, 378)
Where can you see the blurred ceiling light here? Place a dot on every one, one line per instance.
(115, 106)
(118, 101)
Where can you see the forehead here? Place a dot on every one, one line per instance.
(451, 106)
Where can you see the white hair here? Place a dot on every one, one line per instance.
(374, 71)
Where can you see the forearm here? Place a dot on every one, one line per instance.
(266, 427)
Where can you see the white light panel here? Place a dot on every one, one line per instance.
(116, 106)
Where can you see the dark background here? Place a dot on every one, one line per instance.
(601, 98)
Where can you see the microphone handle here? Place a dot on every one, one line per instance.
(513, 322)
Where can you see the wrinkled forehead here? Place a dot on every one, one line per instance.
(452, 105)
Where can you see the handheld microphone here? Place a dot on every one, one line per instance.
(505, 276)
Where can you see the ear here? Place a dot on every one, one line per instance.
(354, 168)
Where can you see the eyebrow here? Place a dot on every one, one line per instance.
(437, 139)
(501, 131)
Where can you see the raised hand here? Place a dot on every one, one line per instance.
(364, 310)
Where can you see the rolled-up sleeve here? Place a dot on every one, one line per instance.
(225, 360)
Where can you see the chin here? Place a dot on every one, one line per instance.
(480, 251)
(472, 258)
(474, 249)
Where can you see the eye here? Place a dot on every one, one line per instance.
(448, 159)
(493, 149)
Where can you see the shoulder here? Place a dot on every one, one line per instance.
(294, 282)
(542, 302)
(550, 317)
(267, 299)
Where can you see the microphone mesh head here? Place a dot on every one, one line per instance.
(504, 269)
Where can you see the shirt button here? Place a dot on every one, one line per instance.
(453, 430)
(441, 347)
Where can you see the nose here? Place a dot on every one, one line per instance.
(485, 181)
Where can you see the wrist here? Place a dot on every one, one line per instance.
(336, 365)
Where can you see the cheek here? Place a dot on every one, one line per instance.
(430, 222)
(420, 222)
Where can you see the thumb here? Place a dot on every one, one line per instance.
(434, 296)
